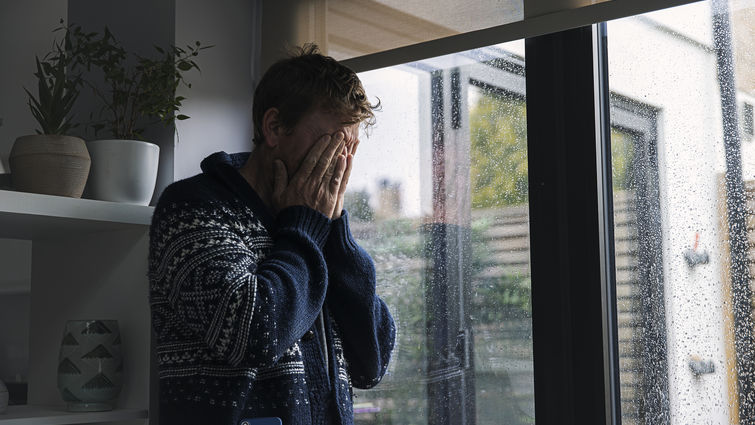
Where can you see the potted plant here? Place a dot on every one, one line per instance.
(124, 167)
(51, 162)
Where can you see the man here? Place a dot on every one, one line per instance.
(263, 304)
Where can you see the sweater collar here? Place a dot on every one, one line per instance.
(225, 167)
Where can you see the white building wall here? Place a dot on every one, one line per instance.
(666, 60)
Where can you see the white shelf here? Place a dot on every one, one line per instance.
(34, 216)
(55, 415)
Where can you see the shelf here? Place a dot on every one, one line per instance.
(57, 415)
(34, 216)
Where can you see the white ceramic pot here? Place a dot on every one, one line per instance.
(123, 170)
(3, 397)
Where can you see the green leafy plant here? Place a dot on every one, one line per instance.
(138, 91)
(57, 92)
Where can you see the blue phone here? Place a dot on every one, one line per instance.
(261, 421)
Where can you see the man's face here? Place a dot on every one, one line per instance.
(293, 148)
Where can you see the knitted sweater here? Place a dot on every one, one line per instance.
(235, 295)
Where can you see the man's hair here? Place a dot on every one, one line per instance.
(308, 80)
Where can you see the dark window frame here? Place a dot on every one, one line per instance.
(571, 222)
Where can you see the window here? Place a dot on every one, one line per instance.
(682, 196)
(478, 203)
(439, 197)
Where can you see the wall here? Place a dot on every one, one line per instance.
(15, 278)
(25, 31)
(138, 25)
(220, 99)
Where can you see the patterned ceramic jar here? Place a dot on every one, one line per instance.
(90, 366)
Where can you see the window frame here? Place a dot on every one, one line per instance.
(571, 222)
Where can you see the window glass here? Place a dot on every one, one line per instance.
(438, 197)
(683, 187)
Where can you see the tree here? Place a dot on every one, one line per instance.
(357, 203)
(498, 130)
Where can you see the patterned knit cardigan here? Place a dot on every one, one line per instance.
(236, 294)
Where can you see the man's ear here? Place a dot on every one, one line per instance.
(272, 127)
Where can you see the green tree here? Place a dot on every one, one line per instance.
(498, 130)
(622, 157)
(357, 203)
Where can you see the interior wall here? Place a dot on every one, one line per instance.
(138, 25)
(220, 99)
(15, 278)
(25, 31)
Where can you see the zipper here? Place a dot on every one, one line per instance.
(324, 344)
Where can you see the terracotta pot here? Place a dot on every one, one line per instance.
(53, 165)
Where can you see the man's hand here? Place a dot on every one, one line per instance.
(317, 182)
(349, 152)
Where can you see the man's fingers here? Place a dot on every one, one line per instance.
(324, 163)
(280, 180)
(314, 154)
(338, 173)
(349, 163)
(346, 174)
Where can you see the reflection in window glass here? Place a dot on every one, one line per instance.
(683, 190)
(438, 197)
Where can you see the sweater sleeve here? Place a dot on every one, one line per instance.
(363, 319)
(247, 310)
